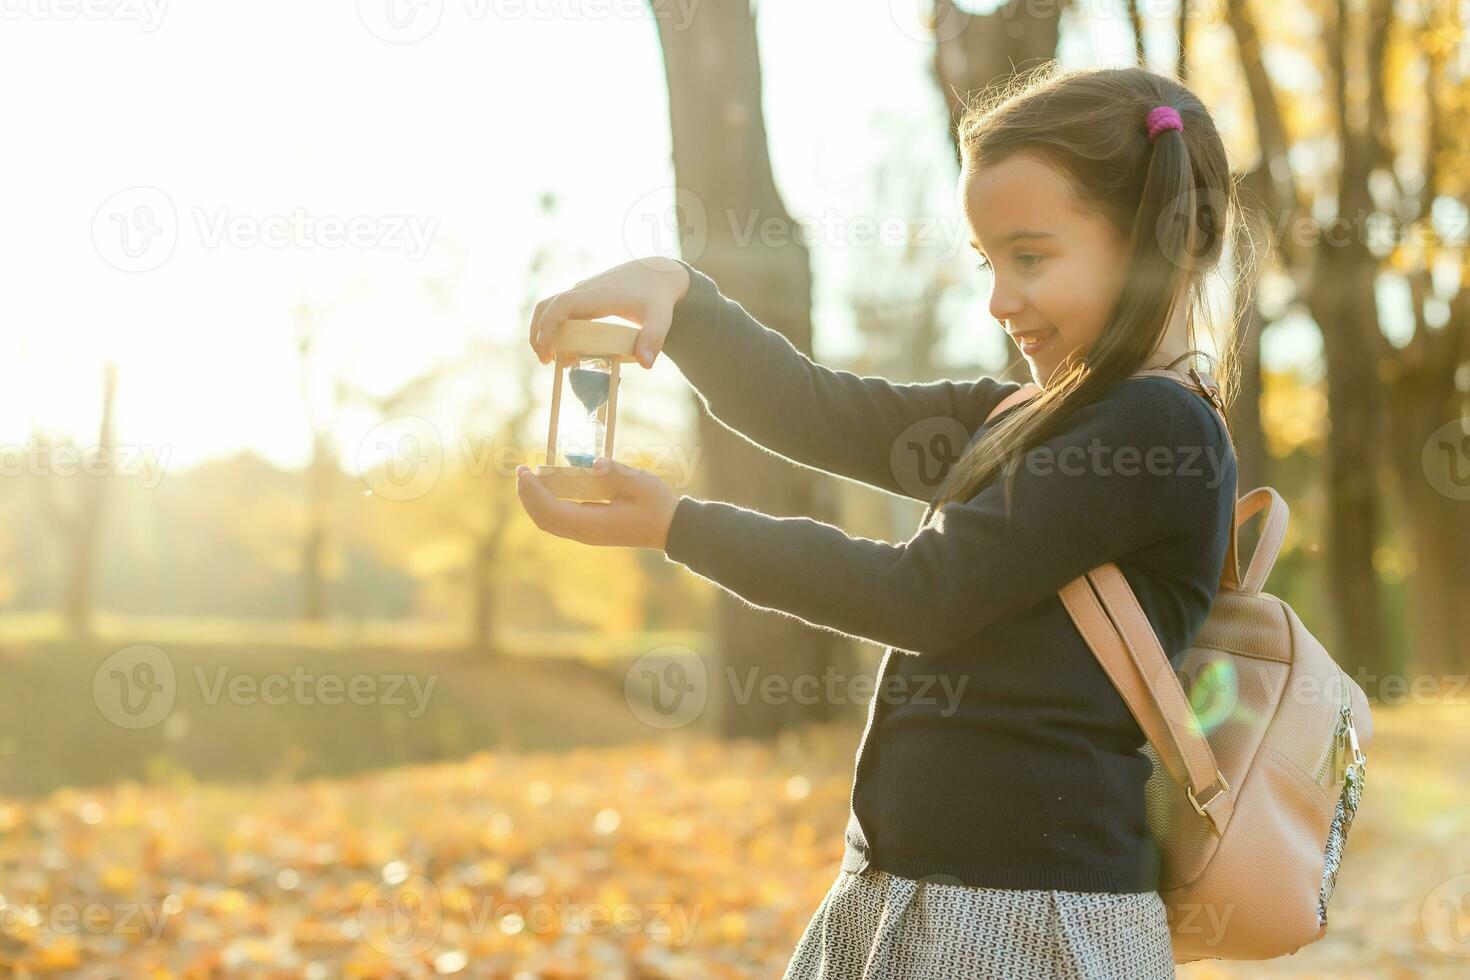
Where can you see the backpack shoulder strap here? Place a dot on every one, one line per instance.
(1110, 619)
(1108, 615)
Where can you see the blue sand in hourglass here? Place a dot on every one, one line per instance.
(590, 387)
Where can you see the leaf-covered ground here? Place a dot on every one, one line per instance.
(679, 857)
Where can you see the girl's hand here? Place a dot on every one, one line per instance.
(644, 291)
(638, 517)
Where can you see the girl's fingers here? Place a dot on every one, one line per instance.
(535, 320)
(651, 336)
(583, 521)
(587, 303)
(548, 511)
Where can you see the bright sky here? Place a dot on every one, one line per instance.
(160, 154)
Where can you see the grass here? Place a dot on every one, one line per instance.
(678, 855)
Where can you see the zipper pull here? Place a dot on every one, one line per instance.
(1339, 757)
(1352, 733)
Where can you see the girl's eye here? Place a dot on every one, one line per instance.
(1028, 259)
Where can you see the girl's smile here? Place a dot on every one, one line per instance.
(1031, 343)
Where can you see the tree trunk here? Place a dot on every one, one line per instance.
(483, 632)
(973, 52)
(89, 516)
(1344, 309)
(313, 603)
(723, 174)
(1343, 302)
(1421, 399)
(320, 472)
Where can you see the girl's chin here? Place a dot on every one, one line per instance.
(1043, 369)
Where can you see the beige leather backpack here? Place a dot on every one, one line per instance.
(1256, 741)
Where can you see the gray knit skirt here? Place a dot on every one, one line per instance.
(879, 926)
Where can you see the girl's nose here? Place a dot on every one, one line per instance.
(1005, 304)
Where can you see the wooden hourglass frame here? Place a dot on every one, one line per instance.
(585, 338)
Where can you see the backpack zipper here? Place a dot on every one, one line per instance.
(1334, 759)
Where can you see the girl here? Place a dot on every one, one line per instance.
(1000, 833)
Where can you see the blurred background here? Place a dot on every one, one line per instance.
(289, 683)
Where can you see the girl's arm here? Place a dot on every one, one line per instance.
(1144, 467)
(898, 437)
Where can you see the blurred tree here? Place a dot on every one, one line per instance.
(1380, 393)
(1135, 23)
(322, 469)
(79, 522)
(490, 536)
(973, 52)
(721, 161)
(1427, 378)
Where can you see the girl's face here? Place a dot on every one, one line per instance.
(1058, 267)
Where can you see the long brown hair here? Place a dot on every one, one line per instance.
(1173, 201)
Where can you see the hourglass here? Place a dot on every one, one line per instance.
(591, 351)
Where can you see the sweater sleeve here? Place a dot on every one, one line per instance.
(901, 438)
(1131, 471)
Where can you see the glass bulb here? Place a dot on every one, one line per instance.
(590, 378)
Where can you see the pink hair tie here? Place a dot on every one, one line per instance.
(1162, 118)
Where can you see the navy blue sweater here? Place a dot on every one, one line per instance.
(996, 751)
